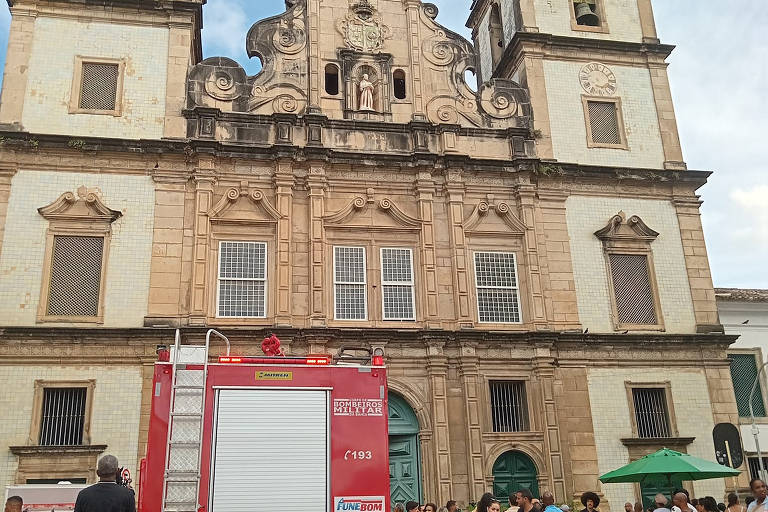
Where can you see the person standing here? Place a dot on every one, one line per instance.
(548, 500)
(411, 506)
(628, 507)
(760, 492)
(430, 507)
(451, 506)
(590, 501)
(106, 496)
(734, 505)
(14, 504)
(525, 501)
(495, 506)
(661, 502)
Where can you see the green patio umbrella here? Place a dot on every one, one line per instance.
(666, 465)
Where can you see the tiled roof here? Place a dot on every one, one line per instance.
(741, 295)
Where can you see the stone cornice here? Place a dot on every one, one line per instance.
(150, 5)
(32, 450)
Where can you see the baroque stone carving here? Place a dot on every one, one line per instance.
(386, 205)
(512, 224)
(619, 228)
(85, 206)
(362, 29)
(233, 195)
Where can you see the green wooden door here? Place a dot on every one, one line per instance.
(513, 471)
(649, 492)
(404, 456)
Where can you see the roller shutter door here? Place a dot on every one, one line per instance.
(271, 448)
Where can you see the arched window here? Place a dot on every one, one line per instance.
(496, 34)
(332, 79)
(398, 79)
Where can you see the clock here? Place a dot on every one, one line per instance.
(597, 79)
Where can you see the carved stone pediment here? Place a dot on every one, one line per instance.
(367, 213)
(363, 29)
(621, 229)
(493, 218)
(244, 205)
(85, 206)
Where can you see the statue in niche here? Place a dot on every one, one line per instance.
(366, 94)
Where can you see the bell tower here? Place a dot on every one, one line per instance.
(596, 73)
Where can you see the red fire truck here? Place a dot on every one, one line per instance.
(267, 432)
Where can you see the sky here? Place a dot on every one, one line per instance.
(718, 75)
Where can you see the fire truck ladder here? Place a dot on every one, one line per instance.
(183, 453)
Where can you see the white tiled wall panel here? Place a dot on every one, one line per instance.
(23, 250)
(622, 17)
(484, 50)
(612, 422)
(568, 125)
(51, 67)
(117, 427)
(588, 214)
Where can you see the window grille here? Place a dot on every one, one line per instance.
(75, 283)
(63, 416)
(632, 289)
(98, 86)
(743, 374)
(349, 283)
(651, 413)
(754, 466)
(397, 284)
(604, 122)
(242, 279)
(509, 406)
(497, 289)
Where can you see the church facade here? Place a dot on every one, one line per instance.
(527, 251)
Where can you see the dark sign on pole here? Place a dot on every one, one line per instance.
(728, 445)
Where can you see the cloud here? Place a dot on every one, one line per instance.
(224, 26)
(752, 203)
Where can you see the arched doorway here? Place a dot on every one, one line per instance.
(404, 455)
(513, 471)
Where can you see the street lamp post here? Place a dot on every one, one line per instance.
(755, 430)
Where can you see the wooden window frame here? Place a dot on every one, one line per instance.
(602, 29)
(77, 82)
(585, 100)
(365, 284)
(218, 280)
(37, 407)
(514, 253)
(382, 283)
(667, 387)
(635, 251)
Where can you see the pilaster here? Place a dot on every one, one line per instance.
(544, 369)
(20, 38)
(284, 182)
(537, 84)
(437, 369)
(204, 181)
(179, 59)
(697, 263)
(317, 184)
(535, 260)
(469, 375)
(455, 191)
(165, 280)
(425, 191)
(6, 175)
(647, 23)
(313, 10)
(665, 109)
(412, 8)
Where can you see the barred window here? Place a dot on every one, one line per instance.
(242, 280)
(498, 300)
(98, 86)
(397, 284)
(349, 283)
(604, 122)
(743, 375)
(651, 412)
(75, 282)
(635, 303)
(509, 406)
(754, 466)
(63, 416)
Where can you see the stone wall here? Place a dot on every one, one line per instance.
(130, 250)
(56, 43)
(589, 214)
(622, 17)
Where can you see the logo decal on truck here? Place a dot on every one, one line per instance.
(358, 407)
(274, 375)
(359, 503)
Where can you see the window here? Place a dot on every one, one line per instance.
(97, 86)
(242, 280)
(635, 303)
(332, 79)
(63, 416)
(497, 290)
(754, 466)
(605, 126)
(397, 284)
(509, 406)
(74, 288)
(651, 412)
(496, 35)
(349, 283)
(743, 375)
(398, 81)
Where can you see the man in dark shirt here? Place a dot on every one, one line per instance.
(106, 496)
(14, 504)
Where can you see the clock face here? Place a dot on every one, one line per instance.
(597, 79)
